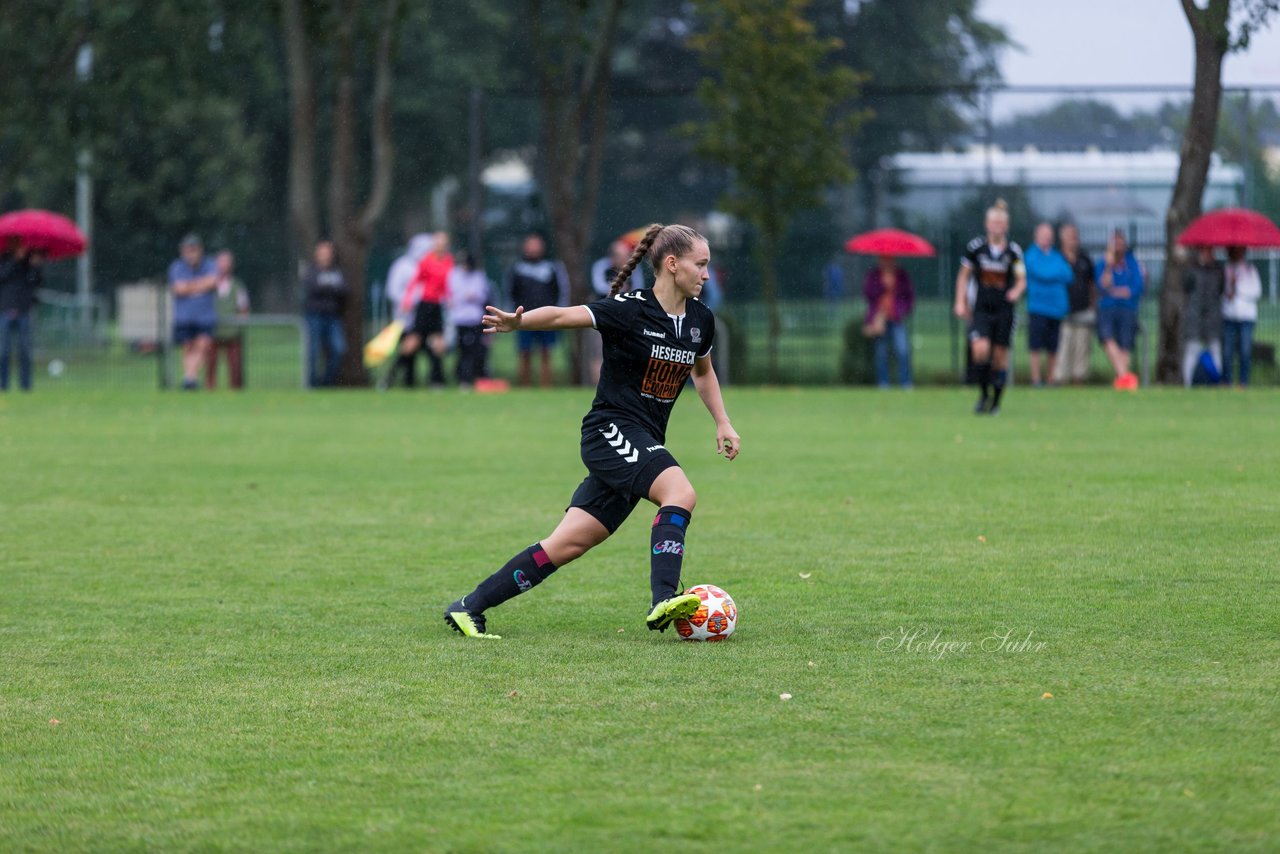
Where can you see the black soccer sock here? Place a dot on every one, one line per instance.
(408, 365)
(667, 540)
(984, 378)
(998, 385)
(524, 571)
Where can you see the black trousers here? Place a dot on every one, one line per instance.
(471, 353)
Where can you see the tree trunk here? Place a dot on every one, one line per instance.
(304, 210)
(1211, 36)
(574, 104)
(352, 228)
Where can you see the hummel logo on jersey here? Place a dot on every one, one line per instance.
(630, 295)
(653, 334)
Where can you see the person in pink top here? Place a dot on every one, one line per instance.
(426, 296)
(890, 299)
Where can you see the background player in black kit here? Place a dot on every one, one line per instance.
(654, 340)
(994, 264)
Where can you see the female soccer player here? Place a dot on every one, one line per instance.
(995, 265)
(653, 340)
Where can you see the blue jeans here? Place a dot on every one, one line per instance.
(17, 324)
(901, 348)
(325, 336)
(1237, 342)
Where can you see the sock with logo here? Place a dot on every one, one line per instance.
(523, 572)
(998, 384)
(667, 552)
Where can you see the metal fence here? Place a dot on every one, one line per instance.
(820, 341)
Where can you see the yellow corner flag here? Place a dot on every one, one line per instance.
(383, 344)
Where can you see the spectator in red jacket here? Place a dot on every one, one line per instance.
(426, 296)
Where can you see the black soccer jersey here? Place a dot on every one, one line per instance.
(648, 356)
(993, 272)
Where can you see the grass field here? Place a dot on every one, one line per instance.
(220, 629)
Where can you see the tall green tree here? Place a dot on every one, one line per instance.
(776, 118)
(357, 42)
(1214, 38)
(174, 145)
(927, 64)
(571, 46)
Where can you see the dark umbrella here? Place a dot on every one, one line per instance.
(44, 231)
(890, 241)
(1231, 227)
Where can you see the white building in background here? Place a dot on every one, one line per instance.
(1094, 188)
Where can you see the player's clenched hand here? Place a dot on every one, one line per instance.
(728, 442)
(498, 320)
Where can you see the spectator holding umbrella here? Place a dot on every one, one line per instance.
(890, 299)
(1202, 314)
(1242, 290)
(20, 278)
(27, 238)
(890, 295)
(1238, 229)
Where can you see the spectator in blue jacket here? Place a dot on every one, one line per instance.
(1120, 284)
(193, 278)
(1048, 275)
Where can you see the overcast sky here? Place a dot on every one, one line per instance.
(1116, 41)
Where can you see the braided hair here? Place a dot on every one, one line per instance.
(658, 242)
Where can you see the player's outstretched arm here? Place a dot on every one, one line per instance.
(543, 319)
(728, 442)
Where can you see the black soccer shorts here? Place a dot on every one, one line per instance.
(622, 462)
(996, 326)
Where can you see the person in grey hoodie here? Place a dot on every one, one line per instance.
(1202, 316)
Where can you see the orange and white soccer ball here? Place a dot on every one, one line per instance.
(715, 619)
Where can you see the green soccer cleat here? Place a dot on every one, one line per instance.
(680, 606)
(466, 622)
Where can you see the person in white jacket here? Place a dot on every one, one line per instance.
(470, 290)
(1240, 295)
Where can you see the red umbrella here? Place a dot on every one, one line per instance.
(52, 233)
(890, 241)
(1231, 227)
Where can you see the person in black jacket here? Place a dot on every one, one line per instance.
(20, 278)
(324, 291)
(534, 282)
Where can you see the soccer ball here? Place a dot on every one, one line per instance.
(715, 619)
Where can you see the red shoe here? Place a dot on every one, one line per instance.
(1129, 381)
